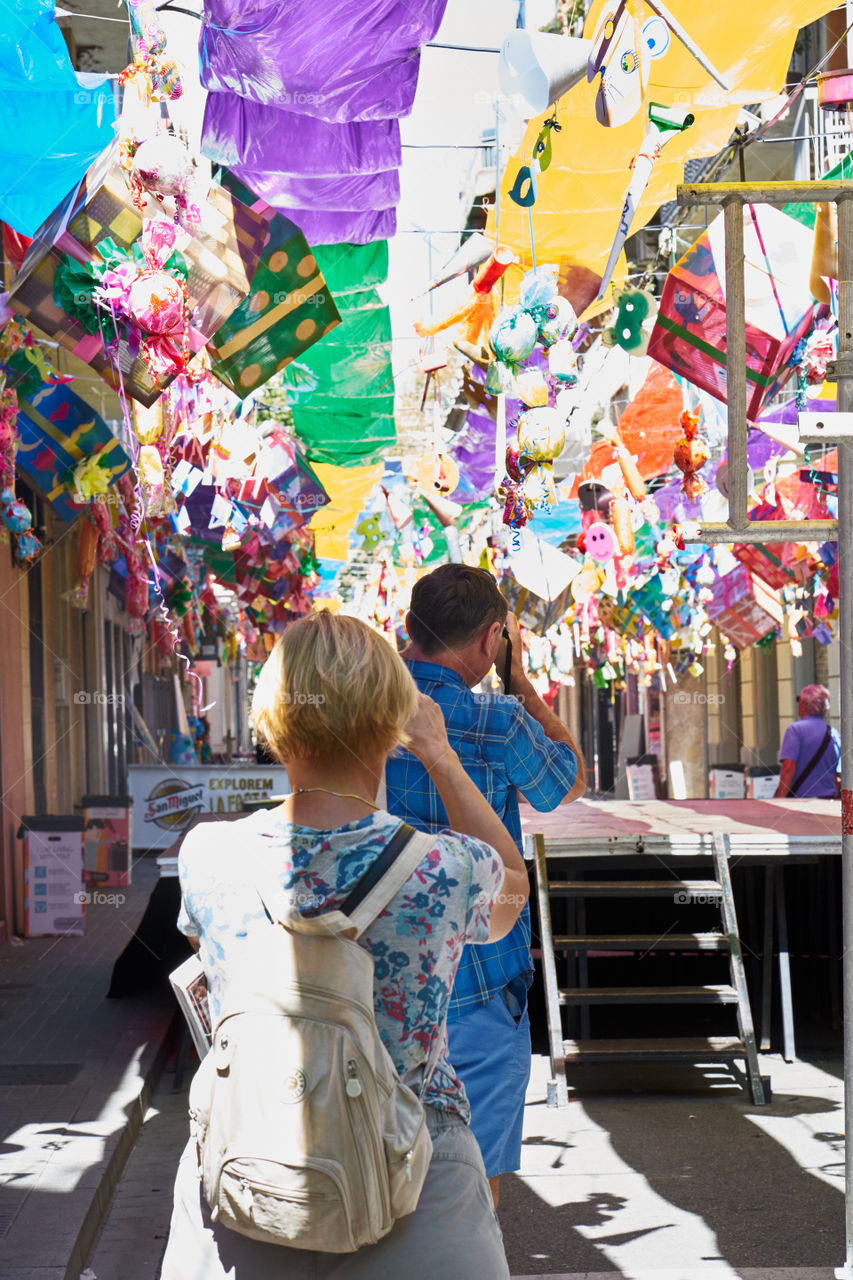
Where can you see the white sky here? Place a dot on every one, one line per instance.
(453, 107)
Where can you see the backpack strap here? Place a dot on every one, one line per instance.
(381, 882)
(377, 869)
(416, 847)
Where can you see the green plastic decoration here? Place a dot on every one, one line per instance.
(341, 390)
(627, 329)
(525, 190)
(370, 530)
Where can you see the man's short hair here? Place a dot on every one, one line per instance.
(451, 605)
(815, 698)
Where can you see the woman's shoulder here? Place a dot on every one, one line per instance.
(469, 861)
(208, 841)
(444, 843)
(453, 844)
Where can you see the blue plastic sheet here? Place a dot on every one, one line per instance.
(54, 121)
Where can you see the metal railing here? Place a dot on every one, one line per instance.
(821, 139)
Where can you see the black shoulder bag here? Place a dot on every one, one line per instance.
(801, 777)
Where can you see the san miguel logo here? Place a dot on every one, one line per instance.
(172, 804)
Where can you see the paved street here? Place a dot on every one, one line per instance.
(74, 1074)
(726, 1190)
(665, 1176)
(133, 1238)
(673, 1184)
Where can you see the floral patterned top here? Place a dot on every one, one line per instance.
(416, 943)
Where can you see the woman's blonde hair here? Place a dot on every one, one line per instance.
(332, 686)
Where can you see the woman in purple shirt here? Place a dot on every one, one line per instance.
(810, 754)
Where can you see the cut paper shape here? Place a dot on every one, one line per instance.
(664, 124)
(536, 69)
(601, 542)
(622, 63)
(186, 478)
(220, 512)
(632, 328)
(525, 189)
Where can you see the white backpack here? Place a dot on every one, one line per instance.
(306, 1135)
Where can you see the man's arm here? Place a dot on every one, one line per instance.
(789, 753)
(786, 777)
(468, 811)
(553, 727)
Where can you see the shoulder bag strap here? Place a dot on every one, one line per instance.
(389, 878)
(377, 869)
(800, 779)
(277, 907)
(383, 879)
(432, 1059)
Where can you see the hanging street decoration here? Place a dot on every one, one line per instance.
(233, 297)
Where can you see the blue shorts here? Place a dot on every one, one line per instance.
(490, 1051)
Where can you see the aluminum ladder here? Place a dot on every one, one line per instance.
(565, 1051)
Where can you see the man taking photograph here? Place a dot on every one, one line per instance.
(459, 626)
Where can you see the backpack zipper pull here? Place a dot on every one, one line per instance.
(353, 1083)
(408, 1162)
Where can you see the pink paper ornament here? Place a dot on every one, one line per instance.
(162, 166)
(601, 542)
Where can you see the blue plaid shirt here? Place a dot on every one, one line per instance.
(504, 750)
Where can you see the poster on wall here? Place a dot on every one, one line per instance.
(166, 798)
(106, 858)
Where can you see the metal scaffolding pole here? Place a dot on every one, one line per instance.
(844, 374)
(733, 196)
(736, 369)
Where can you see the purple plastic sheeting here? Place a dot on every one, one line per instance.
(341, 60)
(301, 91)
(474, 452)
(787, 412)
(323, 226)
(237, 132)
(354, 193)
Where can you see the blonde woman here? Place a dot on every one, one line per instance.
(333, 701)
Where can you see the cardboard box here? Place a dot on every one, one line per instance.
(290, 306)
(744, 608)
(643, 778)
(689, 336)
(764, 560)
(761, 782)
(221, 260)
(726, 782)
(57, 430)
(54, 898)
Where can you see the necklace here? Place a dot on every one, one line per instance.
(342, 795)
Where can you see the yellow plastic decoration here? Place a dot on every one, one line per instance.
(149, 466)
(531, 388)
(348, 489)
(432, 473)
(90, 478)
(576, 215)
(147, 423)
